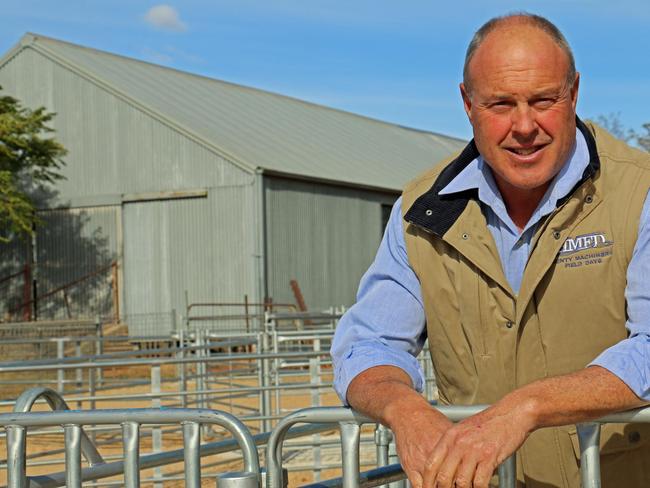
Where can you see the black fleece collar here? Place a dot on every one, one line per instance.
(436, 213)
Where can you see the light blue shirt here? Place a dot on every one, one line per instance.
(387, 325)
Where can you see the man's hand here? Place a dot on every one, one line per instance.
(468, 453)
(386, 394)
(435, 453)
(417, 434)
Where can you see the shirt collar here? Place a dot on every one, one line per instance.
(477, 175)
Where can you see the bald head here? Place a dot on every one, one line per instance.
(516, 26)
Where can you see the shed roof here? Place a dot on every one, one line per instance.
(256, 129)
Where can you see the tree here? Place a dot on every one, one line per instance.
(643, 140)
(29, 159)
(613, 124)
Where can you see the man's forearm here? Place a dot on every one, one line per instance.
(576, 397)
(386, 394)
(470, 451)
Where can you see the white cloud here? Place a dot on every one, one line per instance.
(165, 17)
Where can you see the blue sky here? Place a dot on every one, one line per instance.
(398, 61)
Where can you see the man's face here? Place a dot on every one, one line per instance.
(521, 107)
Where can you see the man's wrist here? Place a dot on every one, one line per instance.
(405, 403)
(524, 408)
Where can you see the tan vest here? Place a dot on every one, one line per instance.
(486, 341)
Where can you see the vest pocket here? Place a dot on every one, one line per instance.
(472, 297)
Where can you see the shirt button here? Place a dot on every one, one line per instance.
(556, 235)
(509, 324)
(589, 199)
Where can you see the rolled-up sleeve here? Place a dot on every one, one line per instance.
(386, 326)
(630, 358)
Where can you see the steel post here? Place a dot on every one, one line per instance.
(99, 346)
(72, 455)
(79, 371)
(394, 459)
(156, 433)
(350, 436)
(181, 366)
(92, 389)
(277, 365)
(589, 439)
(131, 450)
(315, 402)
(16, 475)
(508, 472)
(200, 367)
(266, 383)
(383, 437)
(60, 373)
(191, 440)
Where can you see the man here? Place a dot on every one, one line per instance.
(523, 261)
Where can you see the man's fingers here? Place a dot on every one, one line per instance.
(433, 464)
(415, 478)
(465, 473)
(483, 475)
(447, 472)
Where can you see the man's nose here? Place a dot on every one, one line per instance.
(523, 120)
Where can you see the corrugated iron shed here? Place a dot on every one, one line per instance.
(202, 190)
(255, 129)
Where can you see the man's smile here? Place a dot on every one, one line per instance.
(527, 153)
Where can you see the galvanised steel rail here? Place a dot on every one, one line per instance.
(375, 477)
(130, 420)
(26, 401)
(96, 362)
(589, 440)
(350, 421)
(350, 427)
(148, 461)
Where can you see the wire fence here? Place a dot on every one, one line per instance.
(257, 376)
(128, 467)
(146, 403)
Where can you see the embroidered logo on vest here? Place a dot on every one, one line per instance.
(585, 242)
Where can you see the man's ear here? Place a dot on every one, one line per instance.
(467, 102)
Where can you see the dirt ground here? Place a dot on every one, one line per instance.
(45, 450)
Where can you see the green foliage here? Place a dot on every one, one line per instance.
(29, 158)
(16, 210)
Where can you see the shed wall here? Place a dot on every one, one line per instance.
(114, 147)
(323, 236)
(117, 153)
(14, 279)
(74, 250)
(199, 248)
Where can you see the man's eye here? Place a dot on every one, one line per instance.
(501, 105)
(543, 103)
